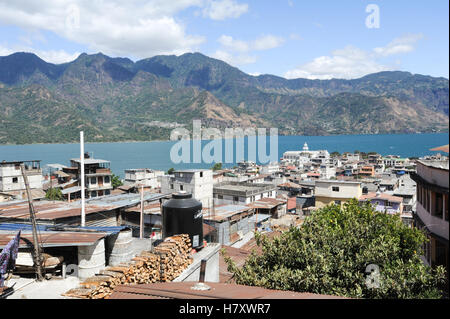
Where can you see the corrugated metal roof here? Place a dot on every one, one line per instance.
(73, 189)
(267, 203)
(53, 236)
(220, 213)
(259, 217)
(51, 210)
(54, 239)
(182, 290)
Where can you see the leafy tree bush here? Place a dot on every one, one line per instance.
(217, 166)
(54, 194)
(335, 154)
(115, 181)
(332, 252)
(170, 171)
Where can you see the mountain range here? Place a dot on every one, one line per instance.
(116, 99)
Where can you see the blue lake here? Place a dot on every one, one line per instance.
(156, 155)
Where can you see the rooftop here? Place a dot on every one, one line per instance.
(182, 290)
(223, 212)
(242, 188)
(88, 161)
(435, 164)
(383, 196)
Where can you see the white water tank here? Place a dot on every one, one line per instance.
(91, 259)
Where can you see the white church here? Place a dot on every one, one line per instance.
(305, 156)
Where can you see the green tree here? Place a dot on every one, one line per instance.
(170, 171)
(335, 154)
(332, 252)
(217, 166)
(54, 194)
(115, 181)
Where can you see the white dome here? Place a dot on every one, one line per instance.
(305, 147)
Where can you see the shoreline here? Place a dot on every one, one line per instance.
(159, 141)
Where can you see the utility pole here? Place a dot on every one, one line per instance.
(83, 209)
(141, 223)
(37, 248)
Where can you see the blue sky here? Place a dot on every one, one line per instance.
(290, 38)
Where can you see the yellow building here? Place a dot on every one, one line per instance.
(336, 192)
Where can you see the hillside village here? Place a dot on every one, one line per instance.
(235, 202)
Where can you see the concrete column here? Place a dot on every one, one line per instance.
(443, 206)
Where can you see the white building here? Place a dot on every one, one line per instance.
(198, 182)
(305, 156)
(270, 168)
(242, 193)
(11, 178)
(327, 171)
(143, 176)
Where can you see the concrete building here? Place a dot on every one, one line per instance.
(97, 175)
(431, 215)
(384, 203)
(336, 192)
(242, 193)
(393, 161)
(12, 185)
(305, 156)
(270, 168)
(198, 182)
(351, 157)
(11, 178)
(327, 171)
(233, 222)
(366, 171)
(143, 176)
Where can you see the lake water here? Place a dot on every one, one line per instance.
(156, 155)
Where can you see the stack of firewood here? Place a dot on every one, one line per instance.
(174, 253)
(168, 260)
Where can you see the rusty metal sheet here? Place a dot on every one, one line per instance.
(182, 290)
(54, 239)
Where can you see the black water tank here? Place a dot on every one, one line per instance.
(183, 215)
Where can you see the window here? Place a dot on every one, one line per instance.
(201, 174)
(438, 205)
(93, 180)
(181, 187)
(171, 186)
(235, 198)
(94, 194)
(335, 189)
(107, 192)
(15, 180)
(107, 179)
(220, 196)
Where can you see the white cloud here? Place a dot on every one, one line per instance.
(51, 56)
(237, 52)
(234, 59)
(135, 28)
(265, 42)
(234, 45)
(351, 62)
(224, 9)
(399, 45)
